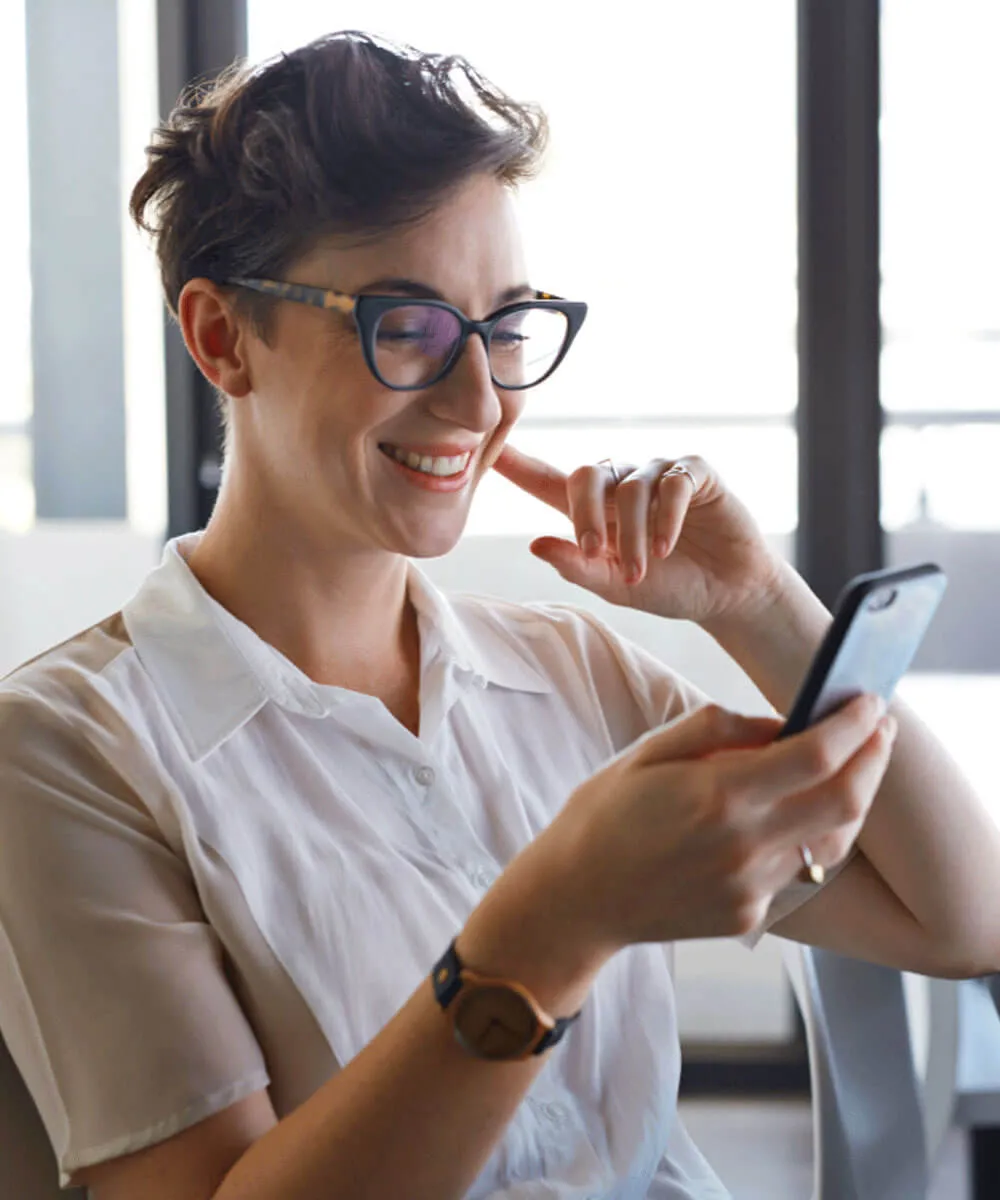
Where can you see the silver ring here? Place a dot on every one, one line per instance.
(814, 872)
(681, 469)
(606, 462)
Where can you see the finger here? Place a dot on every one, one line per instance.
(806, 760)
(632, 516)
(705, 731)
(829, 816)
(534, 476)
(588, 488)
(675, 489)
(632, 499)
(635, 498)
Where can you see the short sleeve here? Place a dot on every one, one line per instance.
(792, 897)
(114, 1001)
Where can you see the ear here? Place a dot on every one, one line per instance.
(215, 339)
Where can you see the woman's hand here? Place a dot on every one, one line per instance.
(691, 831)
(654, 541)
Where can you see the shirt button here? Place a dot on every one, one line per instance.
(549, 1111)
(556, 1113)
(424, 776)
(482, 877)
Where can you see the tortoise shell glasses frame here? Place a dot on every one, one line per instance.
(368, 311)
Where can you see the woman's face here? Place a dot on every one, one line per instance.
(314, 437)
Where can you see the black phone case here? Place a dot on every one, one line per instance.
(879, 622)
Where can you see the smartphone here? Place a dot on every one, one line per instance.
(879, 622)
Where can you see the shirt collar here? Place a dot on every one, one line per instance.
(461, 630)
(215, 673)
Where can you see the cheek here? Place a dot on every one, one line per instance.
(512, 405)
(342, 399)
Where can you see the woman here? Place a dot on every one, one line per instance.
(274, 818)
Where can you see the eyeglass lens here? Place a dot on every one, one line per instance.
(414, 342)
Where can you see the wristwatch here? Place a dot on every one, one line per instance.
(493, 1018)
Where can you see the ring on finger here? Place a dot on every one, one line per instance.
(813, 872)
(606, 462)
(681, 469)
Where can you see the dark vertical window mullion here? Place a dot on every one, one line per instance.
(196, 41)
(839, 415)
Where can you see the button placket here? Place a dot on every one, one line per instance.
(427, 811)
(449, 842)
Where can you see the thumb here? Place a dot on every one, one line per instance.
(706, 731)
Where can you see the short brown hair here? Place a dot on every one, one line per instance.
(349, 134)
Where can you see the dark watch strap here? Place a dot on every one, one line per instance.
(447, 980)
(551, 1036)
(447, 976)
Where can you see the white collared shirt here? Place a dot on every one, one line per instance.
(218, 876)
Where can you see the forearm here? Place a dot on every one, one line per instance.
(775, 641)
(928, 834)
(935, 843)
(413, 1114)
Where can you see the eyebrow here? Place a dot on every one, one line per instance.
(412, 287)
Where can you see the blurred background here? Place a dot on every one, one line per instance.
(787, 233)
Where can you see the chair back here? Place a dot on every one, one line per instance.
(868, 1121)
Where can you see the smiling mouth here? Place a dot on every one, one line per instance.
(443, 468)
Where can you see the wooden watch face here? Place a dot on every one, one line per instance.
(494, 1022)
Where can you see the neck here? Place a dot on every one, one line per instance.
(343, 618)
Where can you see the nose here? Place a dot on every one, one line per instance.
(467, 394)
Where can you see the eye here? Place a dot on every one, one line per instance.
(400, 335)
(509, 334)
(509, 337)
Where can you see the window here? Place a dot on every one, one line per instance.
(17, 497)
(667, 202)
(142, 324)
(940, 263)
(83, 278)
(940, 369)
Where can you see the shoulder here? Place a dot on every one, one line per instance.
(61, 709)
(74, 768)
(544, 626)
(530, 618)
(574, 647)
(547, 634)
(70, 667)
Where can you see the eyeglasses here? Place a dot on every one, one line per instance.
(413, 343)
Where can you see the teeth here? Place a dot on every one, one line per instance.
(454, 465)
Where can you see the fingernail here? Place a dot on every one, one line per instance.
(590, 543)
(660, 547)
(881, 707)
(634, 572)
(891, 726)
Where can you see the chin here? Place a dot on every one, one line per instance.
(436, 549)
(432, 543)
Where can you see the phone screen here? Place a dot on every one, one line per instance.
(879, 623)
